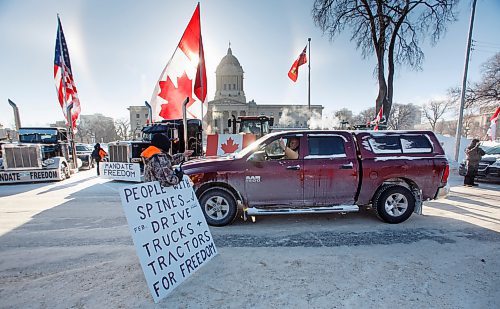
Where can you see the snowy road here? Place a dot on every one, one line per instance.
(67, 244)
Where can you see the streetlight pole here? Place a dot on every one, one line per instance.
(464, 82)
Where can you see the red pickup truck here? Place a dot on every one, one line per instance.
(336, 171)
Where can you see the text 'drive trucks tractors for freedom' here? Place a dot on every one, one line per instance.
(42, 154)
(128, 153)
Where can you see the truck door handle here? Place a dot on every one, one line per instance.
(348, 166)
(293, 167)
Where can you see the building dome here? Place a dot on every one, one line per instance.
(229, 79)
(229, 65)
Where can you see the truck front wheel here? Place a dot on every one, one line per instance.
(219, 207)
(64, 170)
(394, 204)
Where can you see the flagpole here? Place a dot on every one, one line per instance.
(68, 110)
(201, 52)
(309, 77)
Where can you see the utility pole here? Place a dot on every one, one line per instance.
(464, 82)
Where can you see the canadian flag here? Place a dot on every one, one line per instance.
(378, 119)
(183, 77)
(226, 144)
(492, 131)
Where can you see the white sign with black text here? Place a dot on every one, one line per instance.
(121, 171)
(170, 233)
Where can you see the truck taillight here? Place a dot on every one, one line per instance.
(446, 174)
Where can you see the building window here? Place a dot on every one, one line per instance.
(224, 86)
(271, 113)
(297, 123)
(146, 115)
(234, 86)
(280, 113)
(137, 116)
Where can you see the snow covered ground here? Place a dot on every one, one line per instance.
(67, 245)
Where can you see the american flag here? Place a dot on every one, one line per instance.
(63, 76)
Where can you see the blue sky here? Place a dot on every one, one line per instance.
(119, 48)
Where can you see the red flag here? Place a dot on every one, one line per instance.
(492, 131)
(294, 70)
(63, 76)
(184, 76)
(379, 117)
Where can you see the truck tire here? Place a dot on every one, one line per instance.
(64, 170)
(394, 204)
(219, 207)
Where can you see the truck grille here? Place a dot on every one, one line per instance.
(22, 157)
(118, 153)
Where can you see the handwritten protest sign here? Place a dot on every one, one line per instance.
(121, 171)
(169, 231)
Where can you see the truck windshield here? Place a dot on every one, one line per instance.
(38, 135)
(254, 126)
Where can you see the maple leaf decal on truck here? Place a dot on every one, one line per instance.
(229, 146)
(175, 96)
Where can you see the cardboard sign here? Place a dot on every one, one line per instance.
(121, 171)
(170, 233)
(29, 176)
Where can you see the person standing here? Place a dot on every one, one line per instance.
(158, 162)
(98, 154)
(473, 155)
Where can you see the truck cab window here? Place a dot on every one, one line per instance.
(274, 151)
(330, 146)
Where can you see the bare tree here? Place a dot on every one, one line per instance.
(434, 110)
(390, 29)
(487, 91)
(122, 127)
(345, 117)
(364, 117)
(403, 117)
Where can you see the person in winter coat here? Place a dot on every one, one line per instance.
(158, 163)
(473, 153)
(98, 155)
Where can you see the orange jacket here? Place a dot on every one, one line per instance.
(102, 153)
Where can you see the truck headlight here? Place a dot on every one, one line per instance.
(496, 164)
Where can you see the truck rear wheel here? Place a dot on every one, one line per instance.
(394, 204)
(219, 207)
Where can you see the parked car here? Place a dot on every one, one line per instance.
(489, 166)
(84, 153)
(336, 171)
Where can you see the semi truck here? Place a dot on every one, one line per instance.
(42, 154)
